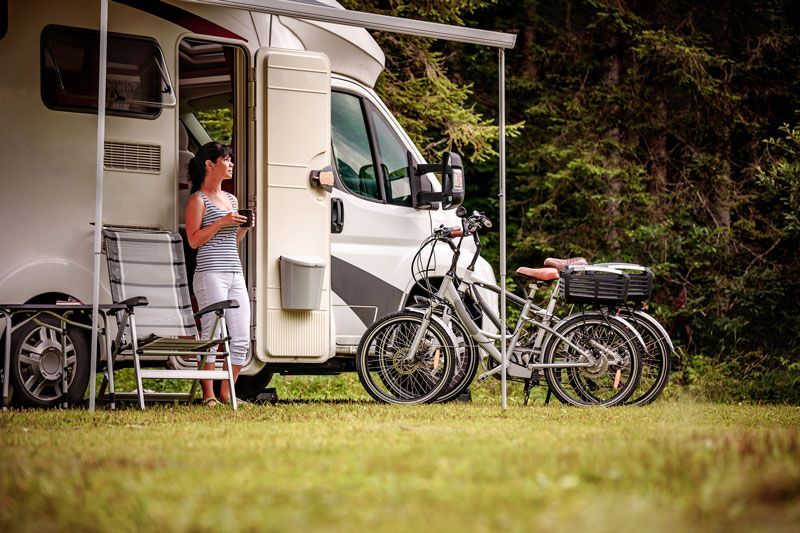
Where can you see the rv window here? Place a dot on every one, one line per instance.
(392, 156)
(3, 18)
(137, 82)
(351, 146)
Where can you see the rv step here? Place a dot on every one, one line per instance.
(148, 373)
(151, 397)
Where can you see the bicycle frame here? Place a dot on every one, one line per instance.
(486, 340)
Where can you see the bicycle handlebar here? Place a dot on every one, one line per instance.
(469, 226)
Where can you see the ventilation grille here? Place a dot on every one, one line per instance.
(132, 157)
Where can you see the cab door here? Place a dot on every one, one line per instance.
(380, 232)
(293, 214)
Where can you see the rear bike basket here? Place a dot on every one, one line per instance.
(640, 283)
(586, 286)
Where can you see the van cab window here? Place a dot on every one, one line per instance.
(370, 157)
(137, 82)
(351, 146)
(393, 160)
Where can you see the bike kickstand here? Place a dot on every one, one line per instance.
(547, 398)
(527, 391)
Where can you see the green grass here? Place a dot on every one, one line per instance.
(318, 462)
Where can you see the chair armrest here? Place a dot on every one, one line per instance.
(219, 306)
(135, 301)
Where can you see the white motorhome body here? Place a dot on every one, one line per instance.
(300, 97)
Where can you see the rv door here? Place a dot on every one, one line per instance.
(293, 214)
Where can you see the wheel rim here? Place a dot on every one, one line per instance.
(39, 363)
(604, 383)
(653, 376)
(396, 378)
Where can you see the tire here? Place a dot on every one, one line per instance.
(605, 384)
(386, 374)
(655, 358)
(36, 364)
(248, 387)
(467, 361)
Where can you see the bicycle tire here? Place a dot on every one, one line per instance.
(656, 363)
(596, 334)
(386, 372)
(467, 361)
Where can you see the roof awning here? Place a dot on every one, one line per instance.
(371, 21)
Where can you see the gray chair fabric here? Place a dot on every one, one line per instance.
(151, 264)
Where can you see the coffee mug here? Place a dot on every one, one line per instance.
(249, 214)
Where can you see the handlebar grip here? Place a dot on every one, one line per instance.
(455, 232)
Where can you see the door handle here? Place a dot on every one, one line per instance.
(337, 215)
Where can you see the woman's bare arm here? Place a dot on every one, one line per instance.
(197, 236)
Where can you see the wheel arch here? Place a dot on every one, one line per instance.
(51, 277)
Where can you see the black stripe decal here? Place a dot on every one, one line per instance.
(358, 287)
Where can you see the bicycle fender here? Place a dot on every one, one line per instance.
(620, 321)
(434, 318)
(656, 324)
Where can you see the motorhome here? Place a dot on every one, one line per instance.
(291, 96)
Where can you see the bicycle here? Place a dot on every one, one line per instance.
(589, 358)
(656, 357)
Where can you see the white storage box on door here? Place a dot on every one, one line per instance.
(301, 282)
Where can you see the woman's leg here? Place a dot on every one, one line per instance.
(209, 287)
(238, 322)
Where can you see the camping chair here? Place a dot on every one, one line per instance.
(148, 275)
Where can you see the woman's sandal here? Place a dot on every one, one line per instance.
(211, 402)
(239, 401)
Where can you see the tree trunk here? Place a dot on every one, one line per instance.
(614, 188)
(722, 195)
(659, 156)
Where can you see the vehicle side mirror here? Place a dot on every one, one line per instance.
(452, 180)
(452, 177)
(422, 194)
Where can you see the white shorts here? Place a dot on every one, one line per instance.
(213, 287)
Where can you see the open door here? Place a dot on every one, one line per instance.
(293, 215)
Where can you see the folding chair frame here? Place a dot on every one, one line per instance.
(169, 347)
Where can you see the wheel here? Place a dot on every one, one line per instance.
(37, 364)
(388, 373)
(655, 357)
(248, 387)
(615, 375)
(467, 361)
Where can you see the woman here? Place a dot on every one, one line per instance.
(214, 227)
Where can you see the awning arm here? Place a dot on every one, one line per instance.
(371, 21)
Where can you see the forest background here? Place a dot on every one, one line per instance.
(662, 132)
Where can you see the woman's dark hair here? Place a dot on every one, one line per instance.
(197, 165)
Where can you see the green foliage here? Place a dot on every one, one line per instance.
(218, 123)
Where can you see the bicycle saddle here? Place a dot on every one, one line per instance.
(542, 274)
(560, 264)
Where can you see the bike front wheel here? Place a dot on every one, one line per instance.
(466, 363)
(612, 350)
(390, 373)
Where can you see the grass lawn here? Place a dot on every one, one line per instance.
(315, 461)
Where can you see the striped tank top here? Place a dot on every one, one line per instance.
(219, 254)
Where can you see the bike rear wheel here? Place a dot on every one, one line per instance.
(614, 376)
(655, 358)
(390, 374)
